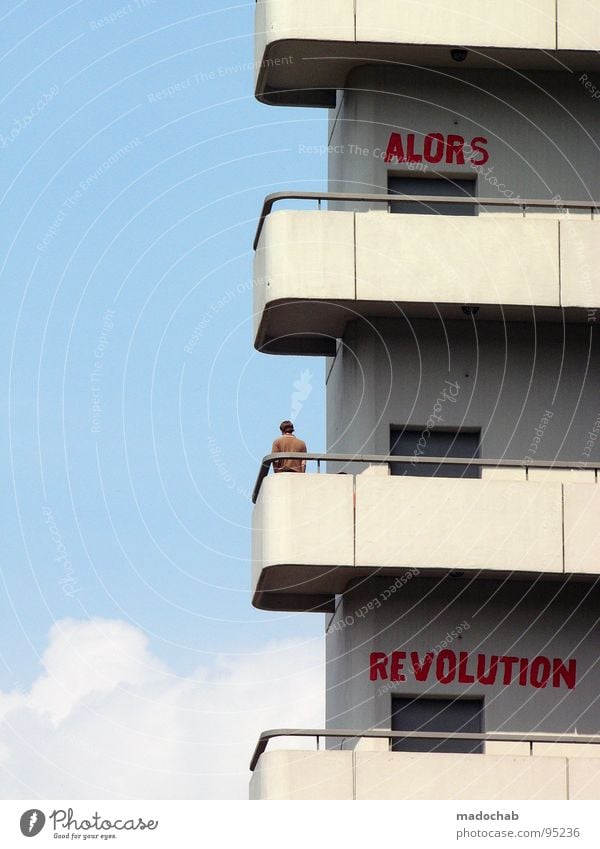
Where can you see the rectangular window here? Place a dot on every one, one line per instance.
(440, 187)
(445, 715)
(420, 442)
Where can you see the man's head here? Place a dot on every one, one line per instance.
(286, 427)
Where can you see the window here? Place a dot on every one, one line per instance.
(419, 442)
(440, 187)
(458, 715)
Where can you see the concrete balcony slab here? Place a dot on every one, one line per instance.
(313, 534)
(382, 775)
(305, 51)
(317, 271)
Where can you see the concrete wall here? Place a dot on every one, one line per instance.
(283, 19)
(464, 524)
(442, 776)
(477, 616)
(305, 256)
(393, 372)
(303, 775)
(510, 24)
(479, 260)
(514, 23)
(578, 27)
(303, 519)
(540, 129)
(386, 775)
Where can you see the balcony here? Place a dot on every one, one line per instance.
(304, 51)
(317, 270)
(314, 533)
(531, 766)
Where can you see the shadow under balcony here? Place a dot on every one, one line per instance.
(314, 271)
(314, 533)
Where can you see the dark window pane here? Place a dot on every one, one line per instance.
(459, 715)
(436, 443)
(439, 188)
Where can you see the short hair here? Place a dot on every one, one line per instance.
(286, 427)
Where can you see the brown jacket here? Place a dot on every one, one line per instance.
(289, 442)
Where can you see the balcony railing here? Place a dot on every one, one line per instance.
(352, 736)
(395, 200)
(389, 460)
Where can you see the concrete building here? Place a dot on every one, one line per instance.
(451, 276)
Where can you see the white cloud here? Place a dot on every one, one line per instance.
(107, 719)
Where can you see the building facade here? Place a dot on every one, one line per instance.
(450, 276)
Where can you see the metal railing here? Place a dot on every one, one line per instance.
(353, 735)
(393, 200)
(378, 459)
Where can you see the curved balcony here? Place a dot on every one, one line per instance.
(314, 533)
(315, 271)
(304, 51)
(514, 766)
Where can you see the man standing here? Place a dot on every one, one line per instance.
(288, 442)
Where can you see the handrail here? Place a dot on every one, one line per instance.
(378, 459)
(352, 197)
(378, 733)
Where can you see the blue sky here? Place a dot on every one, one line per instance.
(131, 183)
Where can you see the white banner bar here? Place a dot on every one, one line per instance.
(273, 825)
